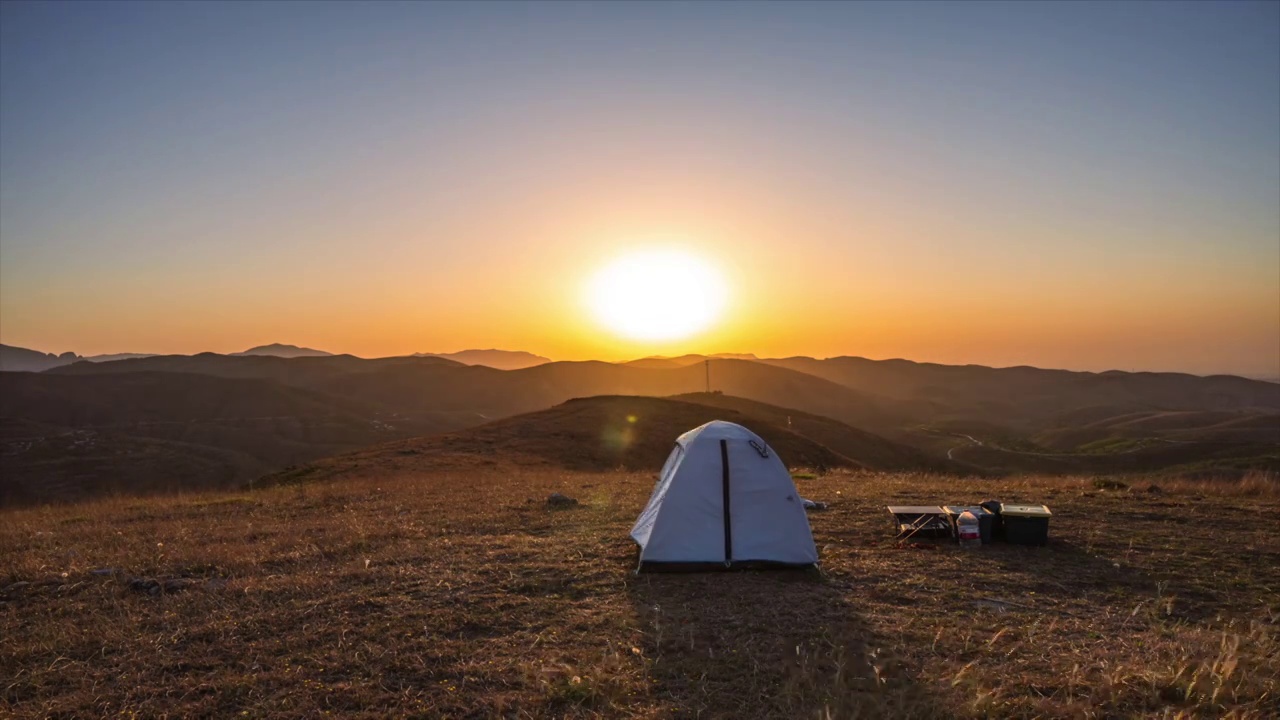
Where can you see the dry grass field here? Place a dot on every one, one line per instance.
(463, 595)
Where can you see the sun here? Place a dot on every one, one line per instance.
(657, 294)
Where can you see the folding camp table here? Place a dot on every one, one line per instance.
(922, 520)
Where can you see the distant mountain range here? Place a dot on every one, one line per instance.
(660, 361)
(16, 359)
(284, 351)
(500, 359)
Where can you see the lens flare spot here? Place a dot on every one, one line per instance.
(617, 439)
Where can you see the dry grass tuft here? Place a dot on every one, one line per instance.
(463, 595)
(1253, 484)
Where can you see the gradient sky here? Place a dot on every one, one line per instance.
(1078, 185)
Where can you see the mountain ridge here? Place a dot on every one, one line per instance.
(494, 358)
(283, 350)
(9, 353)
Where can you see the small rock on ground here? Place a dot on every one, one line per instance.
(559, 500)
(153, 586)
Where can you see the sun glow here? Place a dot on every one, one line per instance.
(657, 294)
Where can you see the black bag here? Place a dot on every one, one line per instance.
(997, 522)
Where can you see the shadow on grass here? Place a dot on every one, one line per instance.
(1063, 567)
(784, 644)
(1068, 572)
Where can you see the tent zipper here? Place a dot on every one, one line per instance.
(728, 530)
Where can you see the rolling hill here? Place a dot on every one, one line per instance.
(741, 378)
(126, 398)
(1180, 426)
(68, 436)
(269, 412)
(1026, 398)
(421, 386)
(868, 449)
(1184, 459)
(48, 464)
(896, 398)
(586, 434)
(272, 411)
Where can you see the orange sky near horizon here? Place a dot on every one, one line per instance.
(868, 300)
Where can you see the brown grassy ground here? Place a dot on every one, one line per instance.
(464, 596)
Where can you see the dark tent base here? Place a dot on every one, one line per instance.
(692, 567)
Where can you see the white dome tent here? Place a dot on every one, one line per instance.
(724, 499)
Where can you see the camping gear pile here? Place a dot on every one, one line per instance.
(724, 500)
(974, 525)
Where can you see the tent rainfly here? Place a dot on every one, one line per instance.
(723, 500)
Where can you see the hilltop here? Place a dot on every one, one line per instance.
(586, 434)
(871, 451)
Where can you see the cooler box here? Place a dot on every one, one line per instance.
(1025, 524)
(986, 521)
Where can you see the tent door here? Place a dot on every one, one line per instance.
(724, 482)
